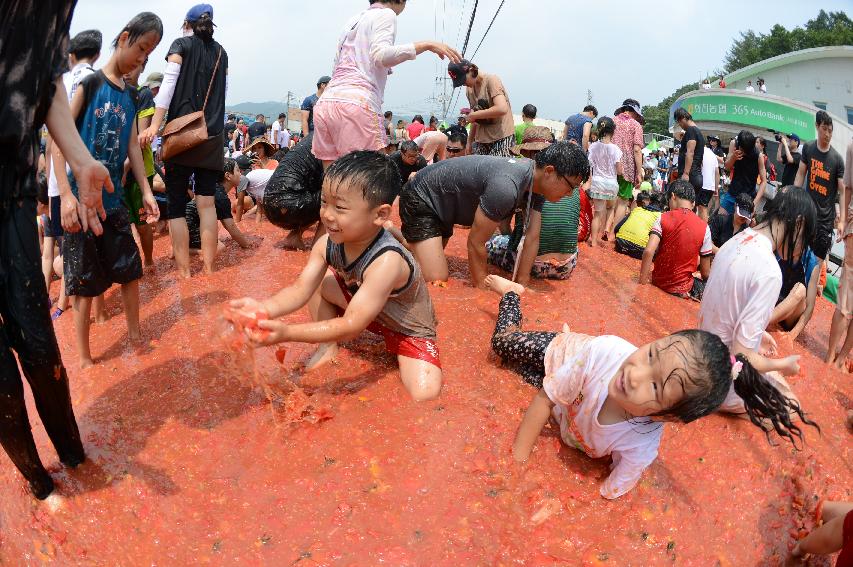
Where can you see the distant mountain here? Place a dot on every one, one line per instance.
(268, 109)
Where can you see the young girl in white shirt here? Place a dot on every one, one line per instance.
(605, 159)
(610, 397)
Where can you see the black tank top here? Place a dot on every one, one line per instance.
(745, 176)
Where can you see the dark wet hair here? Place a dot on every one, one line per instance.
(682, 114)
(141, 24)
(822, 117)
(606, 127)
(203, 27)
(709, 369)
(374, 172)
(568, 159)
(279, 155)
(458, 136)
(591, 108)
(86, 44)
(643, 198)
(409, 146)
(418, 118)
(388, 114)
(745, 142)
(792, 206)
(529, 111)
(41, 189)
(761, 142)
(683, 190)
(229, 166)
(745, 203)
(433, 120)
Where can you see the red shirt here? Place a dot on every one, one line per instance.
(415, 129)
(683, 238)
(585, 218)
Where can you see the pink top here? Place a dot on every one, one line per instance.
(628, 133)
(366, 53)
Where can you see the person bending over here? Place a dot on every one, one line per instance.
(480, 192)
(724, 226)
(796, 302)
(408, 160)
(359, 277)
(223, 213)
(678, 237)
(632, 234)
(251, 188)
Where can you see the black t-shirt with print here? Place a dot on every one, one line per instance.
(33, 55)
(692, 133)
(197, 65)
(823, 170)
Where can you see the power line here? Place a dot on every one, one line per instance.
(489, 28)
(470, 27)
(461, 19)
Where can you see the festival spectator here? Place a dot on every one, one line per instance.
(690, 156)
(408, 160)
(456, 144)
(480, 192)
(558, 237)
(93, 263)
(769, 168)
(528, 115)
(749, 87)
(258, 127)
(762, 86)
(723, 225)
(706, 85)
(632, 234)
(433, 125)
(348, 117)
(280, 136)
(579, 127)
(292, 196)
(788, 155)
(263, 154)
(402, 132)
(821, 172)
(433, 145)
(228, 130)
(796, 302)
(416, 128)
(36, 32)
(492, 126)
(744, 286)
(196, 64)
(722, 83)
(605, 160)
(629, 137)
(309, 103)
(677, 239)
(710, 181)
(252, 183)
(747, 166)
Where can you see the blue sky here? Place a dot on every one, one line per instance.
(547, 52)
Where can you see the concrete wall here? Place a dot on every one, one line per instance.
(827, 80)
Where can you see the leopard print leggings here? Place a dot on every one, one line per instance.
(523, 351)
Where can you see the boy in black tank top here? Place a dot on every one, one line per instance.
(365, 278)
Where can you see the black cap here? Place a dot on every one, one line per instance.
(324, 80)
(459, 72)
(243, 162)
(89, 40)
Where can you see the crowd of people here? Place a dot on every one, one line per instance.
(121, 158)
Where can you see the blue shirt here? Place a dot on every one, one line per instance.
(308, 104)
(576, 123)
(105, 124)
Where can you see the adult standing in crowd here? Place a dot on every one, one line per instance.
(492, 125)
(308, 105)
(690, 157)
(36, 32)
(416, 128)
(787, 153)
(629, 137)
(747, 165)
(258, 127)
(821, 172)
(230, 126)
(196, 65)
(280, 136)
(528, 115)
(579, 126)
(349, 116)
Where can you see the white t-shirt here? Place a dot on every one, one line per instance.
(740, 295)
(709, 169)
(578, 390)
(256, 183)
(279, 136)
(750, 89)
(763, 87)
(71, 79)
(603, 159)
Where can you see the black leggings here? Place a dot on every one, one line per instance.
(523, 351)
(26, 328)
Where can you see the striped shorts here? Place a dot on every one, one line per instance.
(500, 148)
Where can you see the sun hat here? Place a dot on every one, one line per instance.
(154, 80)
(535, 138)
(270, 149)
(197, 11)
(631, 104)
(459, 72)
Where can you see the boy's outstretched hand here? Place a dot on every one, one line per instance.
(268, 332)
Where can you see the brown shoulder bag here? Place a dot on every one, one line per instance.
(186, 132)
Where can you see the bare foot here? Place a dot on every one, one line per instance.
(502, 286)
(101, 317)
(293, 241)
(86, 363)
(323, 355)
(838, 363)
(134, 335)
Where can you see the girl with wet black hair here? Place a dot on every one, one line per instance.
(610, 397)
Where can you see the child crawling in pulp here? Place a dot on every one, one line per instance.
(358, 277)
(609, 396)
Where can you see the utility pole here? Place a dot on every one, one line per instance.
(290, 95)
(589, 96)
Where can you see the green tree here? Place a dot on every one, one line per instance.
(657, 115)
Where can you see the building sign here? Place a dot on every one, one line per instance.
(748, 111)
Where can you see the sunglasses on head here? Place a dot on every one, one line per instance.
(454, 150)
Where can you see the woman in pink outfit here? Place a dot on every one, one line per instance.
(348, 116)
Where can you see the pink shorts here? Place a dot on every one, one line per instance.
(341, 128)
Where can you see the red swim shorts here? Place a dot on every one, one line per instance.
(398, 343)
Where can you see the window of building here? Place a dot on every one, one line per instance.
(820, 105)
(849, 115)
